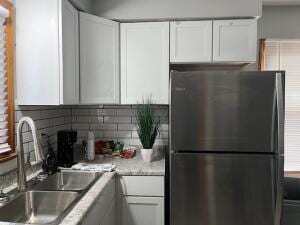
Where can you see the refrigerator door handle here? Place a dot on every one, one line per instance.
(280, 112)
(279, 190)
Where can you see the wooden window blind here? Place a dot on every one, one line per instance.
(6, 81)
(285, 55)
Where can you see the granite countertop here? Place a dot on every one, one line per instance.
(135, 166)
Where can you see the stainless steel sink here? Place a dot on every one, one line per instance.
(49, 201)
(37, 207)
(67, 181)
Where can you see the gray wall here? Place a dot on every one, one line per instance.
(172, 9)
(83, 5)
(280, 22)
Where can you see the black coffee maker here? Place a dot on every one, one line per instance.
(65, 143)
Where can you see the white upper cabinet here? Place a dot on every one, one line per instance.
(191, 41)
(99, 60)
(144, 62)
(234, 40)
(47, 61)
(70, 55)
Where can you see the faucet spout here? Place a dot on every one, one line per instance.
(20, 151)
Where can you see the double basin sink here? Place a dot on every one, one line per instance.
(48, 201)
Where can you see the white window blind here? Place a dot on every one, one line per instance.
(285, 55)
(4, 146)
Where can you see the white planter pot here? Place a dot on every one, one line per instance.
(147, 155)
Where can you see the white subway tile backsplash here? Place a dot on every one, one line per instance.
(161, 142)
(48, 120)
(68, 119)
(88, 106)
(161, 112)
(127, 126)
(33, 114)
(103, 112)
(57, 121)
(117, 119)
(130, 141)
(81, 112)
(119, 123)
(52, 113)
(103, 126)
(99, 134)
(164, 127)
(108, 122)
(82, 133)
(41, 124)
(27, 137)
(134, 134)
(126, 112)
(164, 134)
(117, 106)
(80, 126)
(164, 120)
(89, 119)
(117, 134)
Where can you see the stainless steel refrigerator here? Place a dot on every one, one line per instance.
(226, 148)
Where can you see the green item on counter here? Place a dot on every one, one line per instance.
(110, 145)
(119, 146)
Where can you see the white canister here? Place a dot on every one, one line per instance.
(91, 146)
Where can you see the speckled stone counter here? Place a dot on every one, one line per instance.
(136, 166)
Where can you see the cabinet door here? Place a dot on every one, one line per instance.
(99, 60)
(110, 216)
(70, 58)
(37, 52)
(191, 41)
(234, 40)
(103, 210)
(144, 62)
(142, 211)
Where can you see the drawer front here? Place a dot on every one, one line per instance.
(142, 185)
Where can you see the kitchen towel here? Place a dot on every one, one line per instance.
(94, 167)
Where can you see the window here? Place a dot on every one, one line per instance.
(7, 141)
(285, 55)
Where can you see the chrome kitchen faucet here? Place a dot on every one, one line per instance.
(39, 155)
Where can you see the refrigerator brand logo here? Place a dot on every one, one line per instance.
(180, 89)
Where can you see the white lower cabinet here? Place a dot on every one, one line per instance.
(140, 200)
(103, 212)
(110, 216)
(142, 210)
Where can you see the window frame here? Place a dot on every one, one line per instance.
(10, 43)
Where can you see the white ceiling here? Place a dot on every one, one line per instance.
(281, 2)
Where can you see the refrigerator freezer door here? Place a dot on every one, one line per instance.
(223, 189)
(224, 111)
